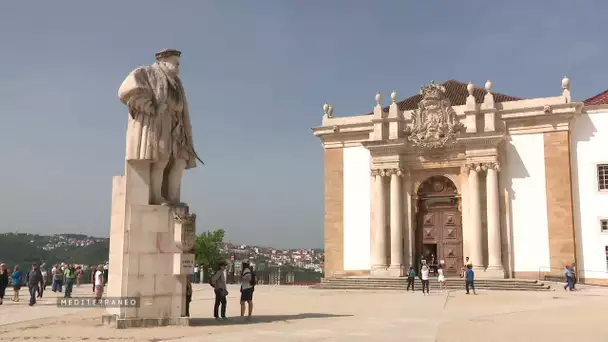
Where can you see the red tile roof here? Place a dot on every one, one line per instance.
(457, 93)
(599, 99)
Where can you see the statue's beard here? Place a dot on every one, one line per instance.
(171, 69)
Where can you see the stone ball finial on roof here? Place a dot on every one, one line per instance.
(565, 83)
(489, 86)
(325, 108)
(470, 88)
(378, 98)
(394, 96)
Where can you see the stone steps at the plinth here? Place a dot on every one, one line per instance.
(361, 283)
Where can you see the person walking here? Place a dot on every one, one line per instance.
(3, 281)
(58, 277)
(34, 283)
(470, 279)
(424, 276)
(411, 277)
(45, 274)
(99, 284)
(221, 291)
(17, 279)
(188, 295)
(78, 275)
(69, 276)
(247, 280)
(569, 278)
(441, 278)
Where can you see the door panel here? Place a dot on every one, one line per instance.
(442, 226)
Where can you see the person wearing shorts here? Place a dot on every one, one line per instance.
(246, 290)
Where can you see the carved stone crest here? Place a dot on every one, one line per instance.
(434, 123)
(185, 230)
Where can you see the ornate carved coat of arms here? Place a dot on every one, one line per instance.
(434, 123)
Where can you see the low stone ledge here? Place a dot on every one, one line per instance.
(126, 323)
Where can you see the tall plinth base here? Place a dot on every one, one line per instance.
(150, 256)
(496, 272)
(396, 271)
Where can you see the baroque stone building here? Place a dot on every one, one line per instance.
(517, 185)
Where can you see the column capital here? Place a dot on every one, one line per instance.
(468, 167)
(396, 171)
(491, 165)
(388, 172)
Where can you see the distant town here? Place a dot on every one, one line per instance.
(309, 259)
(269, 257)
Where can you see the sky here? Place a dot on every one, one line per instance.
(256, 74)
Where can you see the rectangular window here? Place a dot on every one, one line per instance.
(602, 177)
(606, 257)
(604, 225)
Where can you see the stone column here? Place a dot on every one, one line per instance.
(379, 247)
(396, 268)
(476, 250)
(494, 241)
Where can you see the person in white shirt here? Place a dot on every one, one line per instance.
(247, 287)
(424, 276)
(196, 274)
(99, 283)
(441, 278)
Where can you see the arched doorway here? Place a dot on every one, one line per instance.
(439, 224)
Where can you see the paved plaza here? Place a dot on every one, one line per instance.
(285, 313)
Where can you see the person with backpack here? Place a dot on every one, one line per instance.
(218, 282)
(248, 282)
(411, 276)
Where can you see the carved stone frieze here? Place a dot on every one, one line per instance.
(184, 230)
(434, 123)
(388, 172)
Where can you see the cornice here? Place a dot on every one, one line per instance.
(602, 108)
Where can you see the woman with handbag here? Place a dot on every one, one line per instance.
(218, 281)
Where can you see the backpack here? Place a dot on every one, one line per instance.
(253, 281)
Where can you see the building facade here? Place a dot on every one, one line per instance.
(519, 186)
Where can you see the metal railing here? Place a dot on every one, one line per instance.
(556, 274)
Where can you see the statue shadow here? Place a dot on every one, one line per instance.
(259, 319)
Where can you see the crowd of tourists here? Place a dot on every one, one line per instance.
(61, 277)
(425, 270)
(218, 282)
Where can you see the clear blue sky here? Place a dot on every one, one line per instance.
(256, 74)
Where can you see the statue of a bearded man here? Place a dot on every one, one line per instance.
(159, 128)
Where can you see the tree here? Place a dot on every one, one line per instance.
(207, 250)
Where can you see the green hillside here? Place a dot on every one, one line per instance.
(23, 249)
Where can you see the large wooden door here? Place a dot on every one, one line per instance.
(442, 227)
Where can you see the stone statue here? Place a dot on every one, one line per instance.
(159, 128)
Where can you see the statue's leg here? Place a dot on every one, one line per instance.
(175, 180)
(157, 170)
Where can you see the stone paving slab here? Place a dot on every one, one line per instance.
(301, 314)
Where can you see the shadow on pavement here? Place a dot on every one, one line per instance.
(259, 319)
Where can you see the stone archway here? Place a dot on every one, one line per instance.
(439, 224)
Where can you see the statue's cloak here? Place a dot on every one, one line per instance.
(149, 133)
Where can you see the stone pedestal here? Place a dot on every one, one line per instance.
(147, 259)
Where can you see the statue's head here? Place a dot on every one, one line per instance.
(169, 59)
